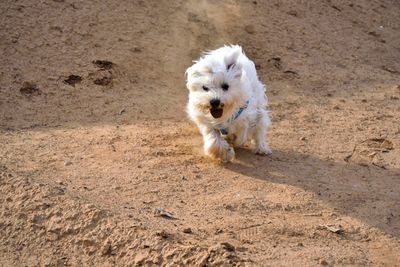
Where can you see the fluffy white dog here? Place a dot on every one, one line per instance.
(227, 102)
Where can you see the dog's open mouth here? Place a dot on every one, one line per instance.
(216, 112)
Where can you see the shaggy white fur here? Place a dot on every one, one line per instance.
(227, 102)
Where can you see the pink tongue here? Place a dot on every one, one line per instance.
(216, 112)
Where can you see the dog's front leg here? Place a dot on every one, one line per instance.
(216, 146)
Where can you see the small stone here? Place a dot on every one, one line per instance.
(137, 49)
(73, 79)
(219, 231)
(229, 207)
(250, 29)
(187, 230)
(106, 249)
(29, 89)
(323, 262)
(160, 212)
(228, 246)
(103, 64)
(337, 229)
(103, 81)
(67, 163)
(162, 234)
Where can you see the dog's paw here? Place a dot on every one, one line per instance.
(223, 152)
(264, 150)
(228, 154)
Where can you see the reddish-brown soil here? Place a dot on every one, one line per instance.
(99, 165)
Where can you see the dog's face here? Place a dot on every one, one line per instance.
(215, 86)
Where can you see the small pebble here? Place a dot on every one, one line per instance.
(250, 29)
(228, 246)
(323, 262)
(187, 230)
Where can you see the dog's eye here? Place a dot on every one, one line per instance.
(205, 88)
(225, 86)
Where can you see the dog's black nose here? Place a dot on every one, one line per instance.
(215, 103)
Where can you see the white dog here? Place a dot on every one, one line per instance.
(227, 102)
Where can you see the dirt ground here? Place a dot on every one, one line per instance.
(99, 165)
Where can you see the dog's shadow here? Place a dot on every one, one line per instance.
(370, 194)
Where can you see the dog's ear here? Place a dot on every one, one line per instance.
(232, 64)
(231, 59)
(196, 71)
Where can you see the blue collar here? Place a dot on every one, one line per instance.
(236, 115)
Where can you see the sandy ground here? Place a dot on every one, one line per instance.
(99, 165)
